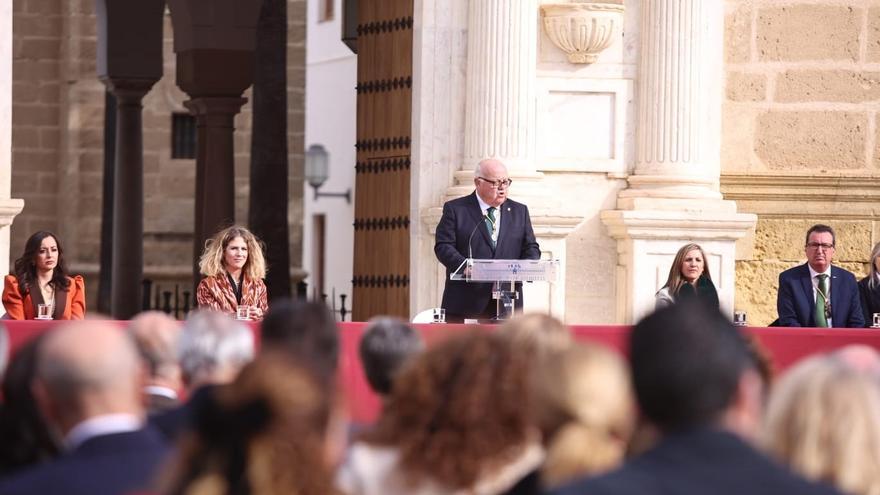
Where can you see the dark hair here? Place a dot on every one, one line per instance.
(386, 344)
(307, 332)
(820, 228)
(26, 269)
(687, 360)
(24, 433)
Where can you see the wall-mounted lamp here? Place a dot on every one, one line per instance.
(318, 170)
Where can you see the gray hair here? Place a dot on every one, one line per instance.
(211, 340)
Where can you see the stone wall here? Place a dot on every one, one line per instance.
(57, 142)
(800, 135)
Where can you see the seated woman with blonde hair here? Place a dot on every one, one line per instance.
(234, 268)
(823, 420)
(40, 278)
(688, 278)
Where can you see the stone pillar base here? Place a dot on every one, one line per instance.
(648, 238)
(9, 208)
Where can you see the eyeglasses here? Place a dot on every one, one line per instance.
(817, 245)
(497, 184)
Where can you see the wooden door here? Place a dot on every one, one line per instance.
(382, 194)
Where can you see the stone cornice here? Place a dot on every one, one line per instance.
(842, 188)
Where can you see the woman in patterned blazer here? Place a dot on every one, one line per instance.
(234, 268)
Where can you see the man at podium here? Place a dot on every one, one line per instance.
(482, 225)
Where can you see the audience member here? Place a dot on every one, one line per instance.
(234, 269)
(387, 343)
(267, 433)
(859, 357)
(156, 336)
(25, 438)
(817, 294)
(688, 278)
(4, 350)
(457, 421)
(305, 331)
(212, 350)
(586, 412)
(89, 388)
(40, 278)
(869, 288)
(823, 419)
(695, 381)
(540, 334)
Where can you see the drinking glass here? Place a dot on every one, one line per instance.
(243, 312)
(44, 311)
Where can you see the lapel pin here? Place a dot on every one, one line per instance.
(508, 208)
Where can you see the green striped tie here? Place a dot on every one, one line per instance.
(490, 224)
(821, 301)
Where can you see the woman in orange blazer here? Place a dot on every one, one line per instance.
(234, 268)
(40, 277)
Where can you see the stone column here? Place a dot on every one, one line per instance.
(215, 166)
(501, 77)
(128, 199)
(9, 208)
(499, 110)
(673, 197)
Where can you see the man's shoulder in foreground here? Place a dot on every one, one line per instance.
(696, 464)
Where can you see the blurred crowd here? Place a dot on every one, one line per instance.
(203, 407)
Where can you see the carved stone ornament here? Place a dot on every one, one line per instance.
(583, 30)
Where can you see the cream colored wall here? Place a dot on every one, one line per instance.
(800, 135)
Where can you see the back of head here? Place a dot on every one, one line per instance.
(213, 347)
(539, 333)
(156, 336)
(584, 406)
(88, 368)
(457, 411)
(387, 343)
(823, 419)
(305, 331)
(687, 361)
(264, 433)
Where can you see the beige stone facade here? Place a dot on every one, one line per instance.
(800, 135)
(57, 143)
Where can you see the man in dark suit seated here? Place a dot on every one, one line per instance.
(88, 387)
(697, 383)
(817, 294)
(483, 225)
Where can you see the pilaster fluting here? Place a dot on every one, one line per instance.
(500, 93)
(679, 99)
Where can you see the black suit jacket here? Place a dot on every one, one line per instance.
(516, 240)
(795, 302)
(869, 299)
(699, 462)
(113, 464)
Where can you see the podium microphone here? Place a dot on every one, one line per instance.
(471, 237)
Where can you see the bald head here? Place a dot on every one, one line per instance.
(491, 180)
(88, 368)
(156, 336)
(859, 357)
